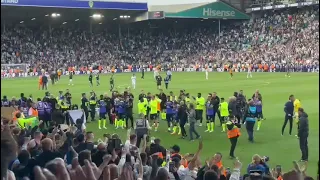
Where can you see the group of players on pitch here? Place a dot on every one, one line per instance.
(174, 109)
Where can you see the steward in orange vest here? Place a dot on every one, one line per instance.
(233, 135)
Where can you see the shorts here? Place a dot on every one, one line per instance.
(224, 119)
(259, 115)
(162, 106)
(169, 117)
(102, 115)
(153, 116)
(121, 116)
(199, 114)
(210, 118)
(158, 84)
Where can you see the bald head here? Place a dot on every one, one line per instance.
(46, 144)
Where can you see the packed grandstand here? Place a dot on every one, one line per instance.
(271, 39)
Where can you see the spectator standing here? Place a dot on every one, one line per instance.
(192, 120)
(303, 133)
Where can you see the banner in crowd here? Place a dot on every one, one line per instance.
(78, 4)
(74, 115)
(7, 112)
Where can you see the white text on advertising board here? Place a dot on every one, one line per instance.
(9, 1)
(216, 13)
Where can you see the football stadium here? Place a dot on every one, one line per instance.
(153, 90)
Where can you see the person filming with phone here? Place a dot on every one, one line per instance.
(258, 166)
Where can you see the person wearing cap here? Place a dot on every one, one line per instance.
(233, 133)
(250, 117)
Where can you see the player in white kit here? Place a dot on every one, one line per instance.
(133, 81)
(155, 73)
(249, 74)
(207, 73)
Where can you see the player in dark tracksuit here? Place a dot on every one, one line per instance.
(129, 112)
(92, 105)
(166, 81)
(159, 80)
(90, 80)
(98, 79)
(288, 109)
(142, 73)
(111, 83)
(84, 105)
(169, 113)
(102, 112)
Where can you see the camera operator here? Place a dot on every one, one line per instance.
(258, 165)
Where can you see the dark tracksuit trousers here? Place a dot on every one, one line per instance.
(250, 129)
(233, 142)
(286, 119)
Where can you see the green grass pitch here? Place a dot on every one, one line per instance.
(274, 87)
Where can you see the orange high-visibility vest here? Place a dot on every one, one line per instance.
(158, 106)
(34, 112)
(235, 132)
(220, 166)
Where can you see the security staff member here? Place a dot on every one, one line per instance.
(142, 128)
(5, 102)
(187, 99)
(92, 105)
(84, 105)
(200, 104)
(233, 135)
(303, 134)
(224, 114)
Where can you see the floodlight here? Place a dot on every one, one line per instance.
(97, 16)
(33, 19)
(76, 20)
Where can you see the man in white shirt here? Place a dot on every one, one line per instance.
(182, 172)
(133, 81)
(155, 73)
(207, 74)
(249, 74)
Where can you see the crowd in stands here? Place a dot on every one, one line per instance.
(71, 154)
(289, 36)
(53, 153)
